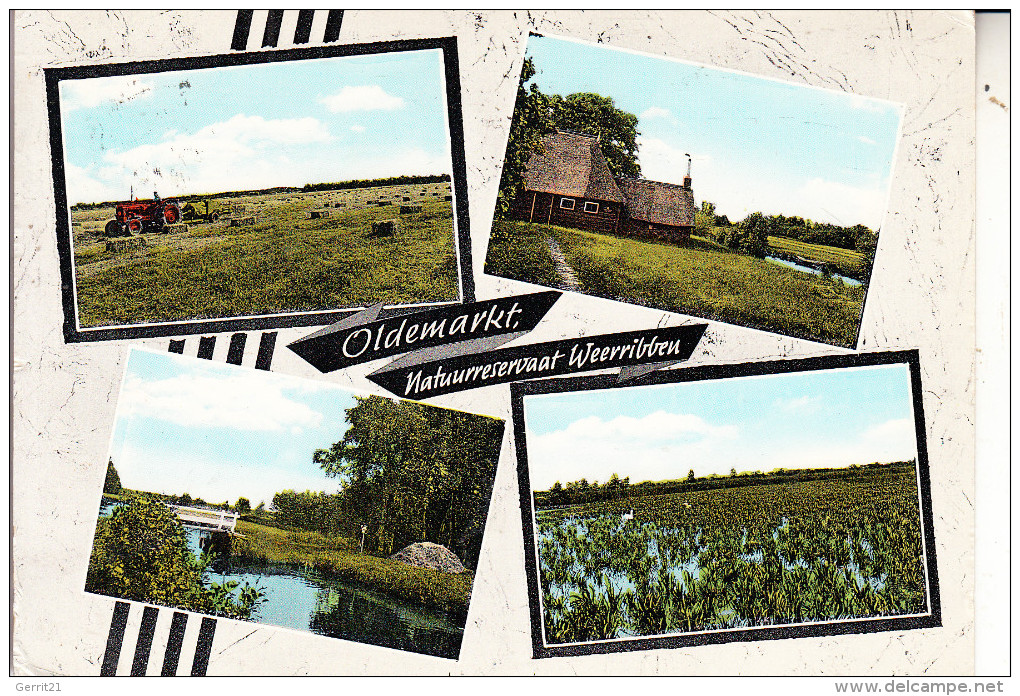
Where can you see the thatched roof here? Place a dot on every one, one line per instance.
(571, 164)
(658, 202)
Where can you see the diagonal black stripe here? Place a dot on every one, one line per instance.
(235, 353)
(271, 36)
(333, 21)
(266, 346)
(173, 644)
(242, 25)
(144, 644)
(204, 647)
(206, 345)
(115, 639)
(304, 26)
(176, 345)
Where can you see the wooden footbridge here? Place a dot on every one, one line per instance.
(200, 518)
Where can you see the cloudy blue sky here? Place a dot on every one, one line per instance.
(825, 418)
(219, 431)
(757, 144)
(255, 126)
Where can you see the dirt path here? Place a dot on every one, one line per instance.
(568, 280)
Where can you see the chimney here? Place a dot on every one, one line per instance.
(687, 179)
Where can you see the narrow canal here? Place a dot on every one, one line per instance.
(299, 598)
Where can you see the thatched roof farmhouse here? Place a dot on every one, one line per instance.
(568, 183)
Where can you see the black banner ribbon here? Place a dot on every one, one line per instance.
(363, 337)
(472, 364)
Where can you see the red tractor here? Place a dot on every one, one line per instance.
(136, 217)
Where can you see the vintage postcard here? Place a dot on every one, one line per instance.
(717, 268)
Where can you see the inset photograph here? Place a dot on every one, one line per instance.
(717, 509)
(693, 189)
(258, 497)
(236, 187)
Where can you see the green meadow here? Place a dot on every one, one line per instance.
(285, 262)
(701, 278)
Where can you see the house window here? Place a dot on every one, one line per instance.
(567, 203)
(590, 207)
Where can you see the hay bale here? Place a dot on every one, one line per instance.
(425, 554)
(242, 221)
(405, 209)
(125, 243)
(385, 228)
(174, 229)
(314, 214)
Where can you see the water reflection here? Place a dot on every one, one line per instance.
(298, 598)
(815, 271)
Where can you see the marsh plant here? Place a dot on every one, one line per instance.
(770, 554)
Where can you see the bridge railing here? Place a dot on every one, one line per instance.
(219, 519)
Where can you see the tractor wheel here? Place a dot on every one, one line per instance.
(133, 226)
(171, 214)
(113, 228)
(214, 216)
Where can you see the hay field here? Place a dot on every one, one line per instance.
(285, 262)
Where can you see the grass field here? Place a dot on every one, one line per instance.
(767, 554)
(336, 557)
(282, 263)
(844, 261)
(702, 279)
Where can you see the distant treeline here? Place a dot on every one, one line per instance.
(580, 492)
(371, 183)
(334, 186)
(857, 238)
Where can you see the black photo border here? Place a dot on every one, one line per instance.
(911, 358)
(455, 123)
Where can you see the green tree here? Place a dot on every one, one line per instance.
(704, 219)
(733, 471)
(530, 122)
(690, 475)
(243, 506)
(412, 472)
(112, 483)
(750, 236)
(141, 553)
(597, 115)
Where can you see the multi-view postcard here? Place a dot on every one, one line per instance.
(250, 496)
(714, 194)
(322, 184)
(722, 290)
(775, 501)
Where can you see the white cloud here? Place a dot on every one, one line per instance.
(866, 140)
(654, 112)
(662, 162)
(243, 152)
(213, 479)
(842, 204)
(239, 153)
(86, 94)
(738, 191)
(358, 128)
(658, 446)
(362, 98)
(240, 401)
